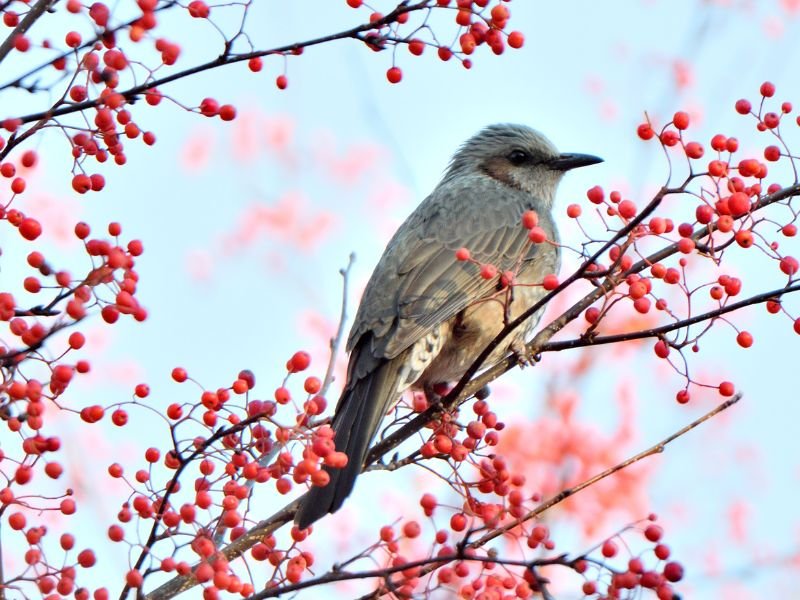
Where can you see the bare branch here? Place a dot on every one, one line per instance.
(337, 339)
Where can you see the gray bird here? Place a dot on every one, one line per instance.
(425, 316)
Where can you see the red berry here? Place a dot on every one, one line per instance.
(627, 209)
(718, 142)
(516, 39)
(209, 107)
(772, 153)
(299, 362)
(789, 265)
(411, 529)
(199, 9)
(609, 549)
(673, 571)
(28, 159)
(670, 138)
(744, 237)
(227, 112)
(645, 132)
(653, 533)
(416, 47)
(743, 106)
(73, 39)
(550, 282)
(694, 150)
(767, 89)
(312, 385)
(595, 195)
(537, 235)
(661, 349)
(30, 229)
(530, 219)
(488, 271)
(394, 75)
(681, 120)
(81, 183)
(744, 339)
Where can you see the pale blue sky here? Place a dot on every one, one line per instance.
(585, 77)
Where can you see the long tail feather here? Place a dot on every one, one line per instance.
(358, 416)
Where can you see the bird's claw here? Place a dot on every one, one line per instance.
(523, 356)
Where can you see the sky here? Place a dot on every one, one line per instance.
(246, 225)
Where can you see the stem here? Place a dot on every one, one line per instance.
(564, 494)
(36, 11)
(229, 60)
(337, 339)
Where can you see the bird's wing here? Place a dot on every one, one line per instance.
(419, 283)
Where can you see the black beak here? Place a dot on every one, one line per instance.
(565, 162)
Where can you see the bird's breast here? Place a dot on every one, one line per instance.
(465, 336)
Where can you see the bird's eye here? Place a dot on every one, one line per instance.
(518, 157)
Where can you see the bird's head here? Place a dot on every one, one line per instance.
(516, 156)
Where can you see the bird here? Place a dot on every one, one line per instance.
(425, 316)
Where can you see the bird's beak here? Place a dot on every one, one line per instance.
(565, 162)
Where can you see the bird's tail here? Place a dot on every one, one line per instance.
(358, 415)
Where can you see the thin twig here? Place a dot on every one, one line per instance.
(337, 339)
(659, 331)
(466, 387)
(231, 59)
(430, 564)
(564, 494)
(36, 11)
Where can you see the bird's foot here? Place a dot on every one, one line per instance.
(435, 392)
(523, 356)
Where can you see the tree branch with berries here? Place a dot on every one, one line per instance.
(660, 273)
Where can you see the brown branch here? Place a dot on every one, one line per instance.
(180, 584)
(432, 562)
(564, 494)
(236, 548)
(164, 506)
(224, 60)
(17, 83)
(658, 331)
(468, 387)
(36, 11)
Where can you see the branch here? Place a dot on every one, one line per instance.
(29, 19)
(181, 583)
(337, 339)
(432, 562)
(564, 494)
(18, 82)
(467, 386)
(223, 60)
(659, 331)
